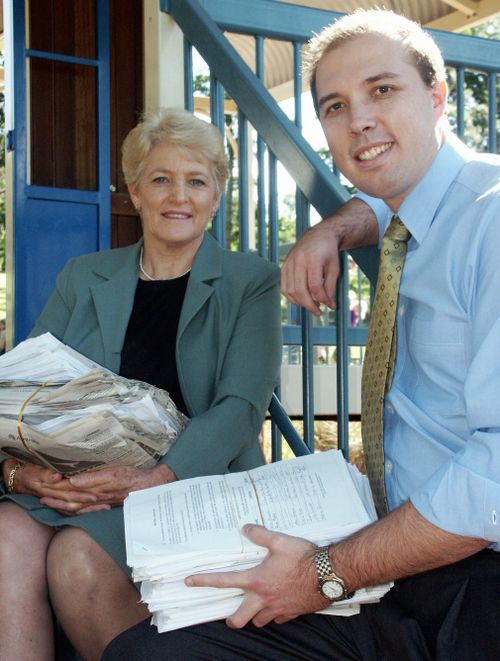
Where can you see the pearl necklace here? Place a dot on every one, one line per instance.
(149, 277)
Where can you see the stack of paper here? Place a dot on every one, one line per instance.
(44, 358)
(94, 419)
(194, 526)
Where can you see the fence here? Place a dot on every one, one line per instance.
(260, 137)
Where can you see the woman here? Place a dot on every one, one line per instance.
(175, 310)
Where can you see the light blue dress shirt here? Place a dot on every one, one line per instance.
(442, 413)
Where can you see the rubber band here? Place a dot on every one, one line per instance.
(19, 430)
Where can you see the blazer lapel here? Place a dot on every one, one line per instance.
(206, 267)
(113, 300)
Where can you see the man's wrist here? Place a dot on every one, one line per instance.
(353, 225)
(331, 585)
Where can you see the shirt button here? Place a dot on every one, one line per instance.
(388, 465)
(390, 408)
(401, 310)
(494, 518)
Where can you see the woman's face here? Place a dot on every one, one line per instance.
(176, 195)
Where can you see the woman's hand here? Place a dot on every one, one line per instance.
(110, 486)
(46, 484)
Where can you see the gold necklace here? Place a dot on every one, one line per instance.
(149, 277)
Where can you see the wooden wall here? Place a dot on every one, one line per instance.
(127, 96)
(63, 115)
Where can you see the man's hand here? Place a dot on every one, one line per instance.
(310, 272)
(311, 269)
(281, 588)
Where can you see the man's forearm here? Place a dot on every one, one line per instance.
(354, 225)
(401, 544)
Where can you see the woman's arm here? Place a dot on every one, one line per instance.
(250, 372)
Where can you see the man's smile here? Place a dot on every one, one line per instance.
(372, 152)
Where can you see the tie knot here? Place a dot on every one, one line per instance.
(396, 230)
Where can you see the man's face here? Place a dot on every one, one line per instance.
(378, 116)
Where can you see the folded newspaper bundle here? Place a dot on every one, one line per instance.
(194, 526)
(61, 410)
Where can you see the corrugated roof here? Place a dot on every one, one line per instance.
(453, 15)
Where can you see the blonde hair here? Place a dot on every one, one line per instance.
(422, 49)
(177, 127)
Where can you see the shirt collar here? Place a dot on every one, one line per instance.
(419, 208)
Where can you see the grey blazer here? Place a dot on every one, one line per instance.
(228, 347)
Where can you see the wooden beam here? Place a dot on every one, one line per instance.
(467, 7)
(457, 22)
(163, 59)
(202, 104)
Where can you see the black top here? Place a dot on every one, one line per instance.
(148, 352)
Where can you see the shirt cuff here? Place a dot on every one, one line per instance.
(382, 212)
(476, 498)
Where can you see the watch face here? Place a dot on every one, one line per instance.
(332, 589)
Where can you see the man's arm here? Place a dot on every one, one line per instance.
(284, 585)
(401, 544)
(309, 274)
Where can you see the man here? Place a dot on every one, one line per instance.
(379, 87)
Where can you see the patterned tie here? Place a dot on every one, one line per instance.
(380, 356)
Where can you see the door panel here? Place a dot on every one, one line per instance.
(61, 144)
(62, 230)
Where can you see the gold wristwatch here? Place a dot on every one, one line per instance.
(330, 585)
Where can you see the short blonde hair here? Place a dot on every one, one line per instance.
(422, 49)
(180, 128)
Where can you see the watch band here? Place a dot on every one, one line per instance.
(326, 575)
(323, 564)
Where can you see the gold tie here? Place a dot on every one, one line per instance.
(380, 356)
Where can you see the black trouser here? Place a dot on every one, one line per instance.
(448, 614)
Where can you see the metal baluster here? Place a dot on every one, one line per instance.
(243, 175)
(217, 115)
(343, 358)
(276, 439)
(188, 76)
(460, 101)
(492, 112)
(261, 150)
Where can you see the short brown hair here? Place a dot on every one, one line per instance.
(423, 50)
(180, 128)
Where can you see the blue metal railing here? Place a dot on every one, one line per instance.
(280, 140)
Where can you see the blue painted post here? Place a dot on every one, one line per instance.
(276, 441)
(460, 101)
(492, 113)
(188, 76)
(342, 320)
(243, 175)
(261, 152)
(217, 115)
